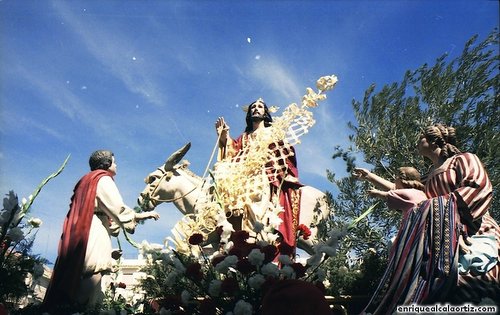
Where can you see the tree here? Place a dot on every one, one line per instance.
(462, 92)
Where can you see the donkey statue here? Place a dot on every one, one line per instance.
(174, 182)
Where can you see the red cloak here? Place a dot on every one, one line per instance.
(67, 273)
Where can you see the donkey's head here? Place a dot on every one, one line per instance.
(160, 184)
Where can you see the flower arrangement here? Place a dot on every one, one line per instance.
(118, 299)
(233, 280)
(17, 233)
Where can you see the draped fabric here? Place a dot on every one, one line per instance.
(67, 273)
(283, 177)
(282, 173)
(423, 262)
(404, 199)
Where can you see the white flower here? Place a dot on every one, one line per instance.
(12, 211)
(156, 246)
(15, 234)
(329, 251)
(243, 308)
(227, 229)
(270, 269)
(144, 247)
(272, 237)
(335, 235)
(327, 283)
(262, 243)
(256, 281)
(10, 202)
(171, 278)
(229, 261)
(4, 217)
(185, 297)
(274, 219)
(315, 259)
(178, 265)
(35, 222)
(326, 83)
(214, 288)
(166, 258)
(256, 257)
(287, 272)
(38, 271)
(285, 259)
(258, 227)
(228, 246)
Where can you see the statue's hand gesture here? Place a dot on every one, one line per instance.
(360, 173)
(222, 130)
(147, 215)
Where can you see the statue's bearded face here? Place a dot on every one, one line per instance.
(257, 110)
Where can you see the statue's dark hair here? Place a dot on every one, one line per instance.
(267, 117)
(101, 160)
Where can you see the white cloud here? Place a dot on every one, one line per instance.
(112, 49)
(56, 93)
(27, 122)
(275, 76)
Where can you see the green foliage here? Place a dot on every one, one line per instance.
(462, 92)
(117, 300)
(14, 271)
(17, 262)
(358, 278)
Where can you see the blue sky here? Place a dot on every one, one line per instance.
(142, 78)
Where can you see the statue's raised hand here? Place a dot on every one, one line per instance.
(360, 173)
(222, 130)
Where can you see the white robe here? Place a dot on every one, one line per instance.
(109, 205)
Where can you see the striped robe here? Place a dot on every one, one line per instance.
(423, 262)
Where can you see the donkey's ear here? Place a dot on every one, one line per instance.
(176, 157)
